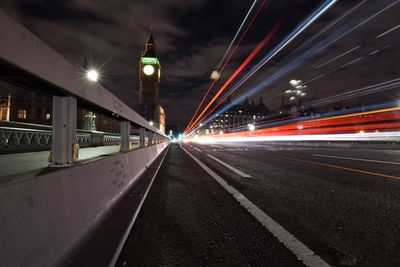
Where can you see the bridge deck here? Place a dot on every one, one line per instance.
(189, 220)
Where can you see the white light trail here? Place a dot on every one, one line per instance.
(388, 31)
(351, 62)
(332, 24)
(373, 136)
(290, 39)
(335, 58)
(237, 33)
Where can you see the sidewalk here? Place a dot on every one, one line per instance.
(189, 220)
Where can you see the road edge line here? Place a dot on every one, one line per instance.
(299, 249)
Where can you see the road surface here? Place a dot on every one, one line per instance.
(343, 204)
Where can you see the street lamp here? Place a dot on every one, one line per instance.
(252, 127)
(295, 82)
(92, 75)
(90, 117)
(215, 75)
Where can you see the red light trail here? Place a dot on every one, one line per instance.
(257, 49)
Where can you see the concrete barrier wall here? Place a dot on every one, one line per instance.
(42, 219)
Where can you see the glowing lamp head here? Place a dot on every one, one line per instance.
(92, 75)
(148, 70)
(215, 75)
(295, 82)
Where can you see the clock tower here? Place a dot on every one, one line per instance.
(149, 77)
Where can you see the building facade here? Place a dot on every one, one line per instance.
(19, 104)
(237, 118)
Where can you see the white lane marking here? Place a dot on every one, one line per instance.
(388, 31)
(300, 250)
(245, 175)
(128, 230)
(359, 159)
(197, 149)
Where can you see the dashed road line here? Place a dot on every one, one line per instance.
(300, 250)
(358, 159)
(239, 172)
(197, 149)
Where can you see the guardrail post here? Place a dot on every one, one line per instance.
(150, 138)
(125, 136)
(64, 148)
(142, 137)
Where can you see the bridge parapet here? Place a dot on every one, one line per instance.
(26, 137)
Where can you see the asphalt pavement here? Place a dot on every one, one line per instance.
(343, 204)
(189, 220)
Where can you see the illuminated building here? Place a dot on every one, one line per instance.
(160, 119)
(18, 104)
(237, 117)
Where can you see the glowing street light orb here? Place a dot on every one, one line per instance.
(92, 75)
(215, 75)
(148, 70)
(151, 123)
(295, 82)
(252, 127)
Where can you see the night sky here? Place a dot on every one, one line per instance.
(191, 38)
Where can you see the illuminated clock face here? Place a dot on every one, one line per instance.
(148, 69)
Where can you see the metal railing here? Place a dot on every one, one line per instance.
(26, 137)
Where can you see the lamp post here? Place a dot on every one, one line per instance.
(297, 90)
(90, 117)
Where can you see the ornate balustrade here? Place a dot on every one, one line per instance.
(26, 137)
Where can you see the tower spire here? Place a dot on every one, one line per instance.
(150, 48)
(151, 38)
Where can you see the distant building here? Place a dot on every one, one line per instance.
(20, 105)
(23, 105)
(237, 117)
(160, 119)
